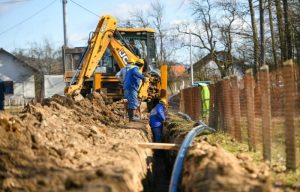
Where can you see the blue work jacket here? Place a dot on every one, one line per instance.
(157, 115)
(132, 79)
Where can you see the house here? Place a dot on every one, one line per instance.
(207, 68)
(177, 77)
(18, 77)
(177, 70)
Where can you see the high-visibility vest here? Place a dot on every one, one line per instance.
(205, 95)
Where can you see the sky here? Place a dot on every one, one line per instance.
(24, 22)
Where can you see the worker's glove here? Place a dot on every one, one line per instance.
(146, 80)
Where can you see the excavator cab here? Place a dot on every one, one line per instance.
(144, 41)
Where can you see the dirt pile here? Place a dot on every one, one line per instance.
(64, 144)
(211, 168)
(208, 167)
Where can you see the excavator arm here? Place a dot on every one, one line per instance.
(102, 38)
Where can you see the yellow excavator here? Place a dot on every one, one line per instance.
(107, 52)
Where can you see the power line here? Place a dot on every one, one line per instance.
(28, 18)
(12, 2)
(85, 8)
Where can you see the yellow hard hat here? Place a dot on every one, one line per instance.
(130, 60)
(163, 101)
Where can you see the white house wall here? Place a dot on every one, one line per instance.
(29, 87)
(12, 69)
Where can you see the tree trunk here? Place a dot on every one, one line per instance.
(262, 31)
(298, 47)
(272, 33)
(288, 30)
(280, 30)
(255, 35)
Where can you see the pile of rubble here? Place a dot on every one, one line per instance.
(63, 144)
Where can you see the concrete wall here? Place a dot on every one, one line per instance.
(53, 84)
(176, 86)
(14, 70)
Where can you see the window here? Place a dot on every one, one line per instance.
(9, 87)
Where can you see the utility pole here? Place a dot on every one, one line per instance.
(191, 64)
(64, 2)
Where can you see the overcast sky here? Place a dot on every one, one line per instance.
(26, 21)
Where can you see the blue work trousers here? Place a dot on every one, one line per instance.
(132, 98)
(157, 134)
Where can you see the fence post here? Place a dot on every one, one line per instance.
(186, 97)
(227, 106)
(289, 114)
(266, 111)
(196, 103)
(220, 106)
(236, 108)
(213, 107)
(249, 90)
(181, 104)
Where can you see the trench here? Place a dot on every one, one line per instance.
(158, 177)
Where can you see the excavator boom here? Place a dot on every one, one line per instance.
(102, 38)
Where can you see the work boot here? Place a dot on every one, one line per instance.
(131, 115)
(135, 114)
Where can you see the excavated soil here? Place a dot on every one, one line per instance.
(211, 168)
(208, 167)
(68, 145)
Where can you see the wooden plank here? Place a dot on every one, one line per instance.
(163, 146)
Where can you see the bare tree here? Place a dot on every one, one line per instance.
(262, 32)
(202, 11)
(254, 35)
(226, 26)
(43, 57)
(157, 15)
(209, 30)
(280, 29)
(273, 41)
(140, 18)
(288, 28)
(296, 28)
(204, 30)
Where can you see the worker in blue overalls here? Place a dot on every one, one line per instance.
(132, 81)
(157, 117)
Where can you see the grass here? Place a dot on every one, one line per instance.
(279, 174)
(178, 127)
